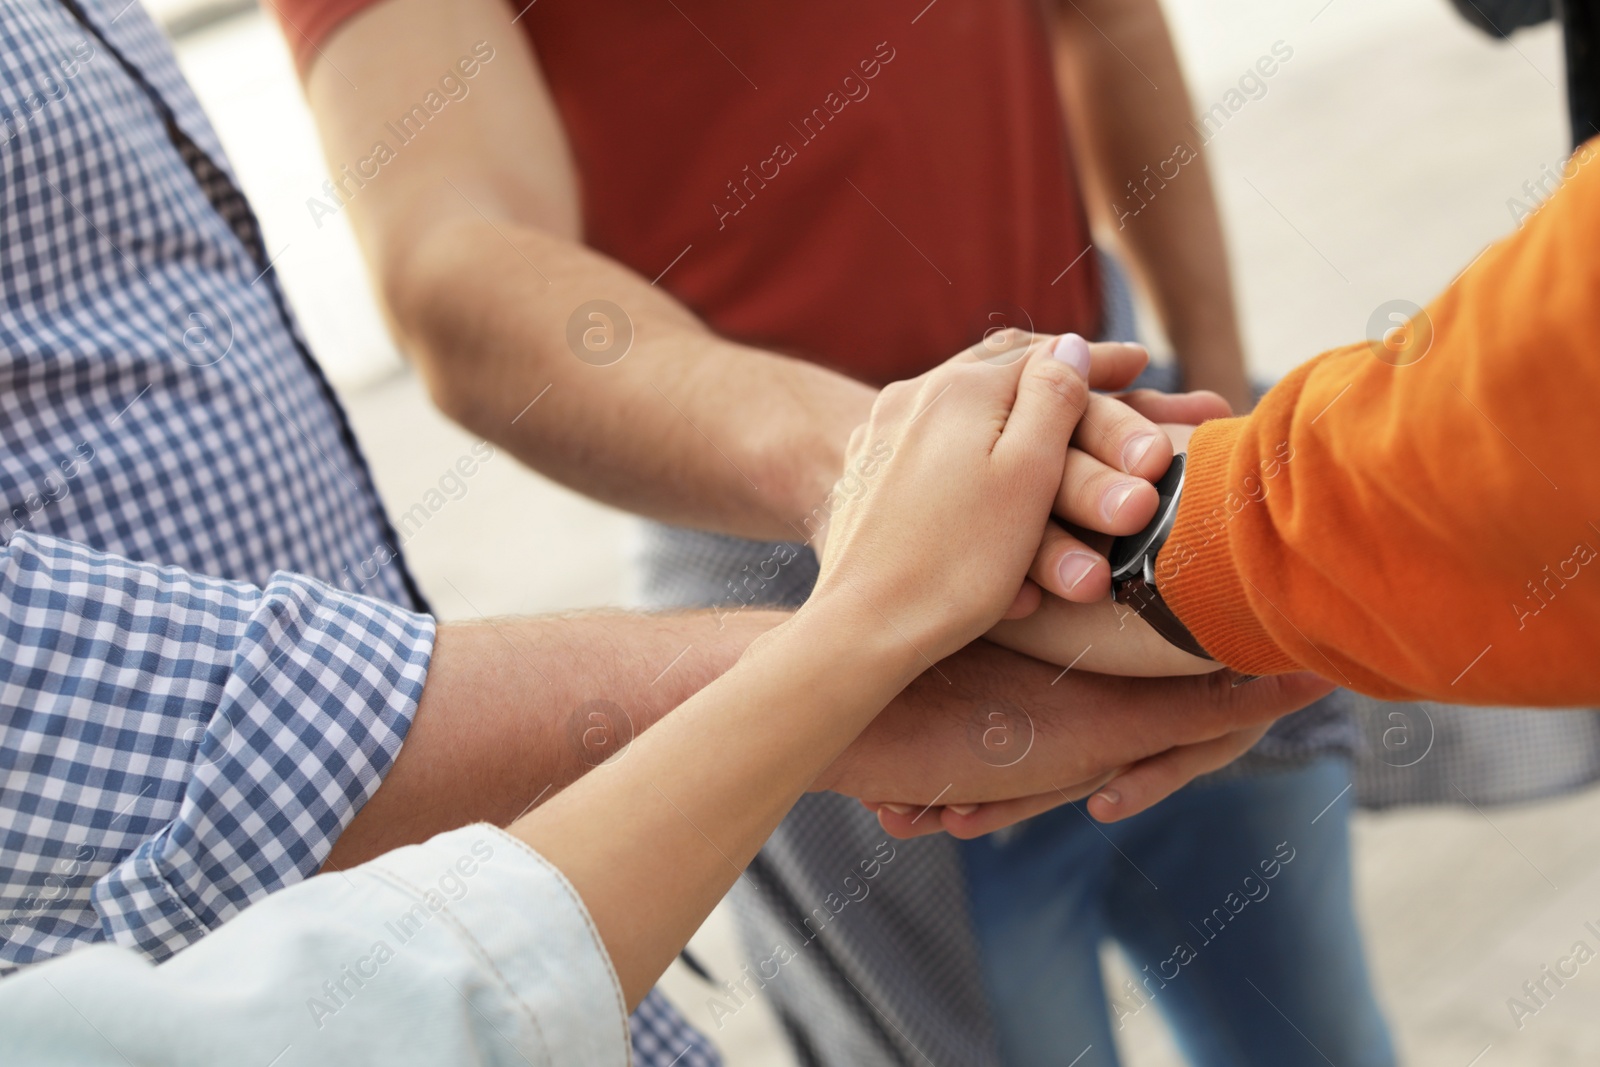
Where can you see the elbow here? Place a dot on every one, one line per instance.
(431, 315)
(451, 389)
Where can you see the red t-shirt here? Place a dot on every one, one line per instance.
(869, 186)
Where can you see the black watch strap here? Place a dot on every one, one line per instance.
(1140, 594)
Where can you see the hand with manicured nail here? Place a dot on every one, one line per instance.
(1091, 633)
(1123, 444)
(1119, 444)
(1116, 451)
(958, 471)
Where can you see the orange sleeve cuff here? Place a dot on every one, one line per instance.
(1196, 572)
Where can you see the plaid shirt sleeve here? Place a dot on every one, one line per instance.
(174, 748)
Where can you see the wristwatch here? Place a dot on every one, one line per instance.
(1133, 565)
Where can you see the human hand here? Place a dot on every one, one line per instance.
(1071, 563)
(1116, 796)
(992, 725)
(1106, 486)
(1104, 435)
(1112, 436)
(956, 471)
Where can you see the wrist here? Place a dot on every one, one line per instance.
(1197, 570)
(810, 500)
(837, 635)
(806, 466)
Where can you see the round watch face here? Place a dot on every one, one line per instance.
(1128, 553)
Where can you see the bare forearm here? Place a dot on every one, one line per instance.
(652, 843)
(474, 235)
(515, 710)
(1104, 637)
(634, 401)
(1149, 184)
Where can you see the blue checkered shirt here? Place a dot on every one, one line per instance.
(177, 747)
(173, 747)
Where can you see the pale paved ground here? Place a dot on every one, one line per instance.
(1377, 164)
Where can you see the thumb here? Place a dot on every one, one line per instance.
(1051, 397)
(1235, 703)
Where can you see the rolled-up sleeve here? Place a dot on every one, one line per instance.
(175, 747)
(467, 948)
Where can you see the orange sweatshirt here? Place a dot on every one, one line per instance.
(1420, 518)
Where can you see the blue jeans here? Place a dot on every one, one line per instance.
(1232, 900)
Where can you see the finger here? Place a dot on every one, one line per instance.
(967, 821)
(1069, 568)
(907, 821)
(1003, 348)
(1114, 364)
(1188, 408)
(1052, 392)
(1123, 439)
(982, 386)
(1103, 499)
(970, 821)
(1029, 597)
(975, 820)
(1151, 781)
(1212, 706)
(1263, 700)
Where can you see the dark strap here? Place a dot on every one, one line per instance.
(1146, 603)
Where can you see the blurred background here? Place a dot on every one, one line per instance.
(1383, 156)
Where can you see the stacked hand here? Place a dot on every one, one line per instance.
(961, 466)
(986, 479)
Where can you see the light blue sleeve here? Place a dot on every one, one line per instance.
(468, 948)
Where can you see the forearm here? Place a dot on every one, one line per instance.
(654, 841)
(1104, 638)
(1414, 517)
(580, 367)
(515, 710)
(637, 404)
(1149, 186)
(902, 583)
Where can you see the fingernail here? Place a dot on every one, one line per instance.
(1115, 497)
(1110, 796)
(1074, 352)
(1135, 450)
(1074, 568)
(898, 809)
(962, 809)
